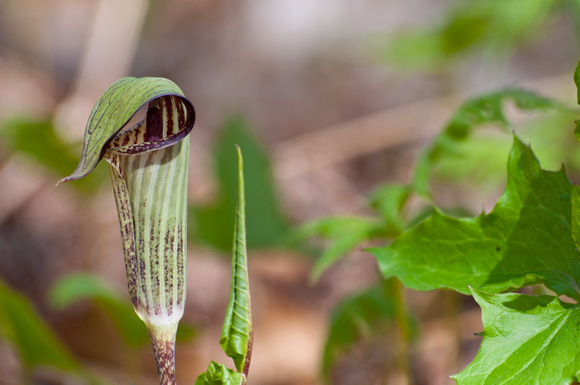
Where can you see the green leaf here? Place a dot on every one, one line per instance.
(478, 112)
(78, 287)
(576, 215)
(526, 340)
(35, 342)
(525, 239)
(362, 316)
(577, 80)
(478, 163)
(389, 200)
(265, 221)
(484, 27)
(220, 375)
(237, 331)
(37, 141)
(344, 233)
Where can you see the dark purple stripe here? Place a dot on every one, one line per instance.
(154, 125)
(169, 105)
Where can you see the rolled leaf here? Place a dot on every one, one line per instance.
(148, 164)
(237, 332)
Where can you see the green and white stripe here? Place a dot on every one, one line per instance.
(149, 169)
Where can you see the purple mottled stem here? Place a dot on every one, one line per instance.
(164, 351)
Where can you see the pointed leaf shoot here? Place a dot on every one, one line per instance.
(237, 332)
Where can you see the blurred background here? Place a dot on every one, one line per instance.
(328, 99)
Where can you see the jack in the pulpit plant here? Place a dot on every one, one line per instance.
(149, 167)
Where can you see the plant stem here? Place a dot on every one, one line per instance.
(402, 317)
(452, 314)
(163, 341)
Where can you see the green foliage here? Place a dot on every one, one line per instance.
(471, 27)
(265, 222)
(36, 140)
(33, 339)
(448, 151)
(362, 316)
(79, 287)
(389, 201)
(220, 375)
(526, 340)
(499, 250)
(344, 233)
(576, 218)
(530, 237)
(481, 111)
(237, 332)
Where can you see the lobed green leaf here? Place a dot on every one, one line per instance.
(220, 375)
(526, 340)
(525, 239)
